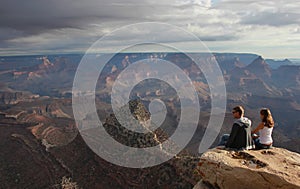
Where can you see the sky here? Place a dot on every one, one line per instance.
(268, 28)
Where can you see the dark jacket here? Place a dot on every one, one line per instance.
(240, 136)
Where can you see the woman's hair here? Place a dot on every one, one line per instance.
(267, 117)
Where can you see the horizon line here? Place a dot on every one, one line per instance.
(142, 52)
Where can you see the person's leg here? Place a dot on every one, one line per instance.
(223, 140)
(258, 145)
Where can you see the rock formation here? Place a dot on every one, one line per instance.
(14, 97)
(272, 168)
(45, 143)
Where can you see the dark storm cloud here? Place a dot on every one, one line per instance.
(20, 18)
(34, 16)
(8, 33)
(72, 24)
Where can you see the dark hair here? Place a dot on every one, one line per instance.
(267, 117)
(239, 109)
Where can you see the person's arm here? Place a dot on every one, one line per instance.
(259, 127)
(232, 135)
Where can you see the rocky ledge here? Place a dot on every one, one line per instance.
(272, 168)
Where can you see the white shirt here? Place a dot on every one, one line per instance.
(265, 135)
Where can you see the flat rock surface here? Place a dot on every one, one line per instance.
(272, 168)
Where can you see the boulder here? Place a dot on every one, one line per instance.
(272, 168)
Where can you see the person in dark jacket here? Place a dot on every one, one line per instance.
(240, 136)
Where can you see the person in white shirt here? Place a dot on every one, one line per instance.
(264, 130)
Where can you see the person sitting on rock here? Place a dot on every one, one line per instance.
(240, 136)
(265, 128)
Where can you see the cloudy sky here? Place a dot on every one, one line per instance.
(269, 28)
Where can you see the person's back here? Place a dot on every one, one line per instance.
(265, 129)
(240, 136)
(265, 135)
